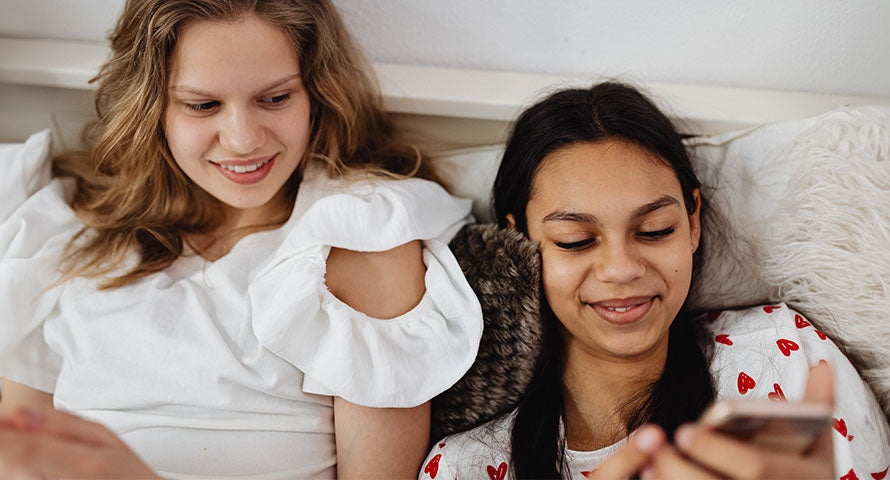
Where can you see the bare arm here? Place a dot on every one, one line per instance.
(379, 442)
(17, 395)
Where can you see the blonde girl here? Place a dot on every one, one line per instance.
(246, 275)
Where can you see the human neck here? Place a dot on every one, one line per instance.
(238, 223)
(599, 390)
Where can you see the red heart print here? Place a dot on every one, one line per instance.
(777, 394)
(745, 383)
(498, 474)
(800, 322)
(771, 308)
(851, 475)
(880, 475)
(441, 445)
(432, 468)
(786, 346)
(821, 335)
(712, 316)
(840, 425)
(724, 339)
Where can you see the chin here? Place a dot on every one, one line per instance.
(634, 346)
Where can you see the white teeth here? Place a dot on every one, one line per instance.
(619, 309)
(244, 168)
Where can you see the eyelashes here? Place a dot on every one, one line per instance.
(270, 102)
(652, 236)
(202, 107)
(275, 100)
(656, 235)
(574, 245)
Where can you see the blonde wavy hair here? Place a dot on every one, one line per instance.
(130, 192)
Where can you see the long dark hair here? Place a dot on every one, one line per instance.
(605, 111)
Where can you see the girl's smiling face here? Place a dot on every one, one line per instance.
(237, 114)
(616, 243)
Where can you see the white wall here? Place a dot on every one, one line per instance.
(814, 45)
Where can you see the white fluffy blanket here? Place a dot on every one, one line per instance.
(806, 223)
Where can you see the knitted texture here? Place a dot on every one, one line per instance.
(504, 270)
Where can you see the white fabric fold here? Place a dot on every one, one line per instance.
(398, 362)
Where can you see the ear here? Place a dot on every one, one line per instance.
(695, 222)
(511, 221)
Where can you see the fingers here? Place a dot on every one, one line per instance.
(633, 456)
(55, 422)
(669, 464)
(820, 385)
(734, 458)
(35, 455)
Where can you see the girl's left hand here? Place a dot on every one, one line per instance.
(54, 444)
(700, 452)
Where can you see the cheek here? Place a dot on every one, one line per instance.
(561, 276)
(293, 125)
(677, 268)
(186, 138)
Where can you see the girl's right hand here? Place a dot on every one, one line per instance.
(635, 455)
(54, 444)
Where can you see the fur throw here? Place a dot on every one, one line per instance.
(829, 247)
(503, 268)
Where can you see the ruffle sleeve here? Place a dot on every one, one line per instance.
(31, 243)
(398, 362)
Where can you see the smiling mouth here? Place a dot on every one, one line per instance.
(623, 311)
(244, 168)
(246, 172)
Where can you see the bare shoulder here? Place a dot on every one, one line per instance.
(379, 284)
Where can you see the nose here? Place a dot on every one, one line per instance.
(619, 263)
(241, 133)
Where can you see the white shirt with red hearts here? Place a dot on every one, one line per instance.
(762, 352)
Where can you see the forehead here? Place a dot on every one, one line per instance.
(220, 54)
(606, 176)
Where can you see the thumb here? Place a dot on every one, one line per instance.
(820, 389)
(820, 385)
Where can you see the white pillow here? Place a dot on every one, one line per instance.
(469, 173)
(26, 170)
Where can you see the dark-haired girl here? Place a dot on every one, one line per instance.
(602, 181)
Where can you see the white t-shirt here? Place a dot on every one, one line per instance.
(761, 352)
(228, 368)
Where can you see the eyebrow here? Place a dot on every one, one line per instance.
(563, 216)
(198, 91)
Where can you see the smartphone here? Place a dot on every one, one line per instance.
(790, 427)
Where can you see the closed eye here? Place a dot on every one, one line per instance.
(656, 235)
(202, 107)
(574, 245)
(275, 100)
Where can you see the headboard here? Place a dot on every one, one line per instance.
(44, 84)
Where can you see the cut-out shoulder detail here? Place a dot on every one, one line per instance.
(381, 285)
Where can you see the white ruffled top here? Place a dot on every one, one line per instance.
(228, 368)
